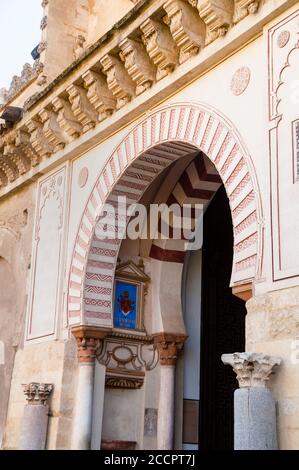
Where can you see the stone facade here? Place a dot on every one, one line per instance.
(157, 101)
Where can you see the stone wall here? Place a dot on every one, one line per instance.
(53, 362)
(272, 327)
(16, 222)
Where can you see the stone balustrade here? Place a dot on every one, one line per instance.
(112, 75)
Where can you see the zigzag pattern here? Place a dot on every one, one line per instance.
(162, 138)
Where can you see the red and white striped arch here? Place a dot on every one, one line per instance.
(161, 138)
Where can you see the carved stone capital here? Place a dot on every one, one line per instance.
(89, 340)
(137, 64)
(217, 15)
(169, 346)
(160, 46)
(118, 80)
(187, 28)
(37, 393)
(252, 369)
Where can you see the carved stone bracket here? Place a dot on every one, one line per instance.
(217, 15)
(37, 393)
(187, 28)
(244, 8)
(252, 369)
(160, 46)
(38, 139)
(118, 80)
(169, 346)
(137, 64)
(52, 131)
(66, 118)
(82, 109)
(99, 94)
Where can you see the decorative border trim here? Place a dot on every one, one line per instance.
(152, 145)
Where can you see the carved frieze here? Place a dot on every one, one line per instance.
(160, 46)
(137, 64)
(118, 80)
(129, 381)
(187, 28)
(99, 94)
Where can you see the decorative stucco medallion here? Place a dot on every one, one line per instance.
(240, 81)
(283, 39)
(83, 177)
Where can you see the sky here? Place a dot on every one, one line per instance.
(19, 34)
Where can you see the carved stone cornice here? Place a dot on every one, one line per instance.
(137, 64)
(160, 46)
(252, 369)
(37, 393)
(187, 28)
(169, 346)
(118, 80)
(89, 341)
(81, 96)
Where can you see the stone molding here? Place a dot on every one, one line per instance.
(169, 346)
(89, 341)
(252, 369)
(116, 73)
(37, 393)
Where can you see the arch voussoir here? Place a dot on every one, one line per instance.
(160, 139)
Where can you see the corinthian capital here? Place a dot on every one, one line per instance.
(89, 341)
(169, 346)
(37, 393)
(252, 369)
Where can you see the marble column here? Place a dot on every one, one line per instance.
(169, 346)
(255, 426)
(36, 416)
(89, 340)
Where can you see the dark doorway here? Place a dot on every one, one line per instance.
(222, 327)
